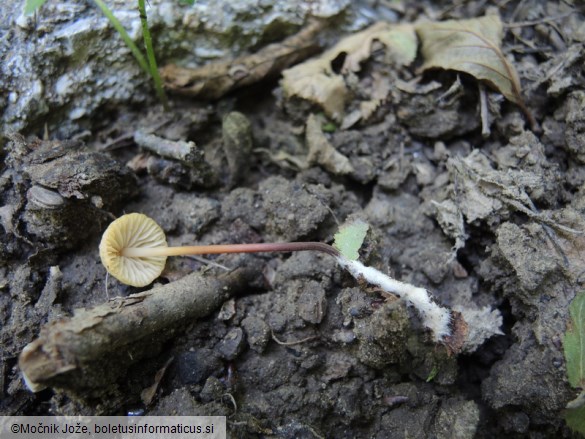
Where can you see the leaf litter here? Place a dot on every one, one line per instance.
(317, 81)
(470, 46)
(473, 47)
(322, 152)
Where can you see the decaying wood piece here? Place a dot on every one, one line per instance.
(95, 346)
(185, 152)
(216, 79)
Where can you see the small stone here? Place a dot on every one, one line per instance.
(337, 366)
(459, 271)
(343, 336)
(312, 361)
(312, 303)
(212, 390)
(232, 345)
(194, 367)
(257, 333)
(228, 310)
(457, 419)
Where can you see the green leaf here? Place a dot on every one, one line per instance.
(575, 419)
(574, 342)
(432, 374)
(350, 238)
(329, 127)
(31, 6)
(187, 2)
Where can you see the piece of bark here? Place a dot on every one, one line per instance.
(186, 152)
(214, 80)
(94, 347)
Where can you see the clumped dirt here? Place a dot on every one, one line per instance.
(493, 225)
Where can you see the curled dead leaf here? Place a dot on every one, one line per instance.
(473, 47)
(316, 80)
(322, 152)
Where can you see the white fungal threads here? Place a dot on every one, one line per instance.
(433, 316)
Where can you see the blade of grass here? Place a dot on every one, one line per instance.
(127, 39)
(31, 6)
(150, 54)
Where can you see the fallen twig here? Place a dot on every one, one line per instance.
(541, 21)
(216, 79)
(186, 152)
(294, 342)
(484, 112)
(95, 346)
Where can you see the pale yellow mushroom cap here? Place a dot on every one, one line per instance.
(133, 230)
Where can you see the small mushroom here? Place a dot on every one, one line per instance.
(134, 249)
(133, 231)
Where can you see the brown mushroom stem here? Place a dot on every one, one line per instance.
(134, 249)
(144, 252)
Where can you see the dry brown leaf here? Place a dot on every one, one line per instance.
(322, 152)
(399, 40)
(147, 395)
(473, 47)
(284, 159)
(381, 86)
(316, 81)
(474, 203)
(450, 218)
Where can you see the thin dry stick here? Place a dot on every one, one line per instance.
(232, 400)
(187, 152)
(77, 352)
(107, 279)
(541, 21)
(208, 262)
(483, 107)
(214, 80)
(292, 343)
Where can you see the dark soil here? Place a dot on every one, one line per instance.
(489, 223)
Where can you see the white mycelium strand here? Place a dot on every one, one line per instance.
(433, 316)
